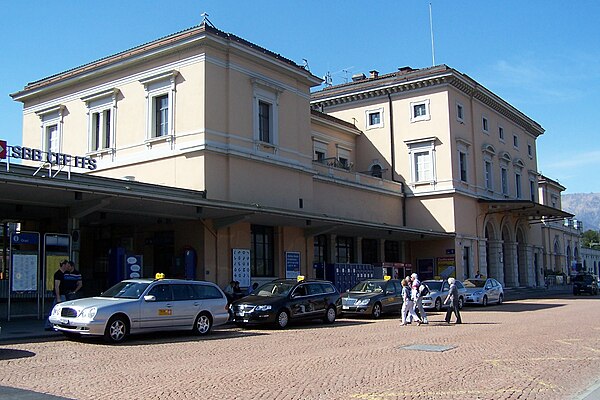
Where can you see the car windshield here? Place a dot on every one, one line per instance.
(274, 289)
(434, 286)
(369, 287)
(126, 290)
(473, 283)
(583, 278)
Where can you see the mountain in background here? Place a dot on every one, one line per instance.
(585, 206)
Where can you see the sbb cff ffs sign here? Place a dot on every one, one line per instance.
(26, 153)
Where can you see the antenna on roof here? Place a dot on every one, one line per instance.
(328, 81)
(305, 64)
(345, 71)
(431, 29)
(206, 21)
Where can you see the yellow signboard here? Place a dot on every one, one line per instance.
(165, 311)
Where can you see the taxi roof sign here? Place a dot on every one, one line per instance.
(387, 278)
(300, 278)
(159, 275)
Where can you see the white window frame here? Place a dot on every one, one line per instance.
(422, 148)
(154, 87)
(99, 103)
(368, 114)
(485, 124)
(50, 117)
(319, 146)
(267, 93)
(426, 116)
(460, 108)
(463, 149)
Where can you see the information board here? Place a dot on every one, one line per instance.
(24, 272)
(292, 264)
(241, 266)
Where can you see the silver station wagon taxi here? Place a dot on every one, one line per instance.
(143, 305)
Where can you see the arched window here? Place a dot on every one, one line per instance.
(376, 171)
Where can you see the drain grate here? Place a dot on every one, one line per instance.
(427, 347)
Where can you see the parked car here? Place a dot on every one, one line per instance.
(584, 283)
(143, 305)
(283, 300)
(438, 291)
(373, 297)
(483, 291)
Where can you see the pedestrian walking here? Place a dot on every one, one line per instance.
(453, 299)
(417, 296)
(408, 308)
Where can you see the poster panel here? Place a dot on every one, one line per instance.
(292, 264)
(241, 266)
(24, 272)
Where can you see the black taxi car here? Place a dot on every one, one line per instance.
(283, 300)
(373, 297)
(585, 283)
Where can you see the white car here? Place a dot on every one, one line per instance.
(438, 291)
(483, 291)
(143, 305)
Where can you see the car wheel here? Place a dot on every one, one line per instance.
(116, 330)
(438, 304)
(484, 301)
(461, 303)
(330, 315)
(376, 311)
(500, 299)
(202, 324)
(282, 319)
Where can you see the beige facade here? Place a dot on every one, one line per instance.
(424, 167)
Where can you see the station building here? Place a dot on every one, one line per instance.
(202, 155)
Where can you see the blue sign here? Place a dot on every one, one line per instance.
(25, 238)
(292, 264)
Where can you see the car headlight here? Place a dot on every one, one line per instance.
(56, 310)
(362, 302)
(89, 313)
(427, 298)
(263, 308)
(477, 293)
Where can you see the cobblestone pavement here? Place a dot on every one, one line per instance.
(529, 349)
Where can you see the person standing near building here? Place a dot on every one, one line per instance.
(72, 282)
(59, 294)
(453, 298)
(418, 298)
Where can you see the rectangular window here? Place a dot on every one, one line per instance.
(374, 118)
(419, 111)
(423, 166)
(501, 133)
(262, 252)
(319, 156)
(488, 175)
(462, 160)
(518, 185)
(344, 249)
(52, 139)
(529, 150)
(392, 251)
(485, 124)
(515, 141)
(320, 249)
(460, 112)
(161, 116)
(264, 121)
(532, 190)
(101, 130)
(504, 176)
(369, 251)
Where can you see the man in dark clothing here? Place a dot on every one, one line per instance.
(453, 298)
(59, 293)
(72, 283)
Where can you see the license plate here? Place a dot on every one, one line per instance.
(345, 308)
(240, 313)
(64, 321)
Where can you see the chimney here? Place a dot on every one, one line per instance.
(405, 70)
(374, 74)
(358, 77)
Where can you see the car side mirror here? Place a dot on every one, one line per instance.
(149, 298)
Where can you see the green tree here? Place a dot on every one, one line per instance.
(591, 239)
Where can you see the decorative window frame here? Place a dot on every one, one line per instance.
(501, 134)
(48, 118)
(460, 108)
(533, 193)
(515, 141)
(518, 167)
(155, 86)
(489, 152)
(505, 160)
(420, 146)
(463, 147)
(530, 151)
(368, 113)
(263, 91)
(425, 117)
(98, 103)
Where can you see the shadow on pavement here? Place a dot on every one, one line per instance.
(22, 394)
(12, 354)
(513, 307)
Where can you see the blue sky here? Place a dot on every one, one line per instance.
(541, 56)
